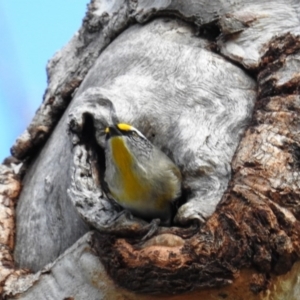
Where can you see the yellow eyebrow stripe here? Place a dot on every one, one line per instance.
(124, 127)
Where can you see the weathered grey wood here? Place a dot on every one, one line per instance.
(46, 218)
(71, 276)
(184, 111)
(272, 18)
(239, 22)
(255, 225)
(52, 216)
(148, 88)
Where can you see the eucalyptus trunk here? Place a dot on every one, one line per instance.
(214, 85)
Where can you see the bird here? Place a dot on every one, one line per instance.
(140, 177)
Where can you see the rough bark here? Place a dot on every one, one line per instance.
(237, 232)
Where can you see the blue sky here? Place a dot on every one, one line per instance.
(30, 33)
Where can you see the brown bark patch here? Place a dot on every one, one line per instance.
(279, 73)
(10, 187)
(278, 46)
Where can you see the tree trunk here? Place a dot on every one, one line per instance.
(215, 86)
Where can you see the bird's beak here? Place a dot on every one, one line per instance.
(112, 131)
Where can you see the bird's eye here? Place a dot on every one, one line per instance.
(134, 134)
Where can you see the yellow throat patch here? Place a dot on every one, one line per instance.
(133, 189)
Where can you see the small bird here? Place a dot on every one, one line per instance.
(140, 177)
